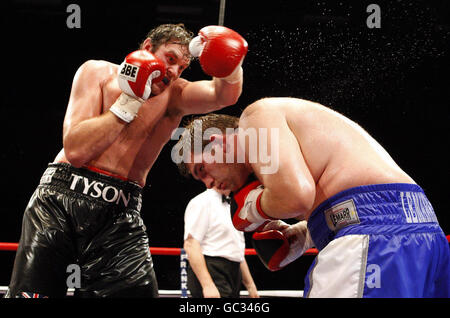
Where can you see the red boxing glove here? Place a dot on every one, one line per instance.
(135, 77)
(272, 248)
(245, 207)
(137, 73)
(280, 244)
(220, 50)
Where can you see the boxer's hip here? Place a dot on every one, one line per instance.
(373, 209)
(93, 186)
(384, 241)
(83, 217)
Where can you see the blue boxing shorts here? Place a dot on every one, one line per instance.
(380, 240)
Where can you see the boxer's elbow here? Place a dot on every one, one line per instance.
(74, 159)
(285, 202)
(301, 200)
(298, 199)
(305, 198)
(74, 156)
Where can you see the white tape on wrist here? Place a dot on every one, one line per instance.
(250, 211)
(300, 245)
(196, 46)
(126, 107)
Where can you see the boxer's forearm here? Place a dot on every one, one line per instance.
(88, 139)
(285, 204)
(228, 92)
(202, 97)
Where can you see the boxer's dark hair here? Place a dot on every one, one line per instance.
(191, 133)
(169, 33)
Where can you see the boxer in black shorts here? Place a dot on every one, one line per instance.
(77, 216)
(117, 121)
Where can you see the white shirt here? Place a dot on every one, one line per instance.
(207, 219)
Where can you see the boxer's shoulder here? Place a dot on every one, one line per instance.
(279, 103)
(178, 85)
(99, 65)
(98, 77)
(100, 70)
(262, 110)
(94, 77)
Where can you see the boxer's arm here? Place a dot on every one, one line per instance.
(198, 265)
(202, 97)
(221, 52)
(289, 188)
(86, 131)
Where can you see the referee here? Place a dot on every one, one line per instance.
(215, 249)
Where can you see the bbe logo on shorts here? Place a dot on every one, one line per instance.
(341, 215)
(47, 176)
(129, 72)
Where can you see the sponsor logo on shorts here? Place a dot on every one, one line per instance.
(99, 190)
(341, 215)
(47, 176)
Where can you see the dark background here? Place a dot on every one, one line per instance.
(392, 81)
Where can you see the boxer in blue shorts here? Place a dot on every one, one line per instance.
(388, 239)
(376, 231)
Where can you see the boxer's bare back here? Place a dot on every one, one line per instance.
(336, 153)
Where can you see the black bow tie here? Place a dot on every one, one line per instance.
(226, 199)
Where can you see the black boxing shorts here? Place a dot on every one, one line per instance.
(81, 219)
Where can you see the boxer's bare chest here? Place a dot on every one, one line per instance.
(137, 147)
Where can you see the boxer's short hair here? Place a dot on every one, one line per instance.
(169, 33)
(195, 128)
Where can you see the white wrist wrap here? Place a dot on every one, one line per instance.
(250, 211)
(196, 46)
(300, 245)
(126, 107)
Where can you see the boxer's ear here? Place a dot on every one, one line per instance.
(147, 45)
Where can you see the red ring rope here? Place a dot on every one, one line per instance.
(154, 250)
(164, 250)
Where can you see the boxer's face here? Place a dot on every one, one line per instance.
(176, 58)
(222, 176)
